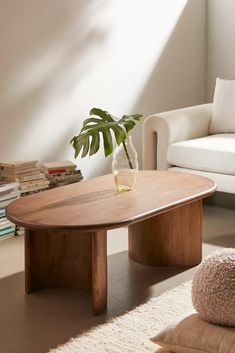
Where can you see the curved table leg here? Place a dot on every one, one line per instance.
(173, 238)
(67, 259)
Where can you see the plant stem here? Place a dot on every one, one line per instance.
(127, 155)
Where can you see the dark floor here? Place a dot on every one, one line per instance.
(36, 322)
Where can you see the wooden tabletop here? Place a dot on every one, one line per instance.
(95, 203)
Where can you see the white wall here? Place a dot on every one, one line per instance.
(60, 58)
(220, 42)
(178, 77)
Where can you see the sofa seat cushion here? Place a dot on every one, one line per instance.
(214, 153)
(224, 182)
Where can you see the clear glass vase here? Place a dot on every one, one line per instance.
(125, 165)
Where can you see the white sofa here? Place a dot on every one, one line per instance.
(179, 140)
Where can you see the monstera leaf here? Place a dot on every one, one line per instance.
(102, 124)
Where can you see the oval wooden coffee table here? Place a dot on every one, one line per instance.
(66, 228)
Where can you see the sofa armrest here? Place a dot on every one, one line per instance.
(161, 130)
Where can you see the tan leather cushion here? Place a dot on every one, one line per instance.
(194, 335)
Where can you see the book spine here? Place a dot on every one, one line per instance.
(2, 213)
(10, 232)
(7, 235)
(16, 173)
(33, 183)
(31, 177)
(36, 188)
(9, 186)
(6, 228)
(17, 169)
(18, 165)
(57, 171)
(4, 204)
(5, 222)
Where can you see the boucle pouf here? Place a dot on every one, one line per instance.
(213, 288)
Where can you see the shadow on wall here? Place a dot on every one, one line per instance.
(47, 50)
(178, 78)
(62, 57)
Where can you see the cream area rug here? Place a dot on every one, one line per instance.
(131, 332)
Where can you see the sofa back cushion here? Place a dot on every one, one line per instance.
(223, 116)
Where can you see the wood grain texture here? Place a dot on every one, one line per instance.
(99, 272)
(30, 284)
(57, 259)
(65, 241)
(95, 204)
(173, 238)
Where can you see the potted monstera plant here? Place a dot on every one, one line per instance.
(103, 125)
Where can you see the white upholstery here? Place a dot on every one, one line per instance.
(224, 182)
(214, 153)
(223, 117)
(162, 130)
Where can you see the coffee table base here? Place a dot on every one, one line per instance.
(67, 259)
(173, 238)
(70, 259)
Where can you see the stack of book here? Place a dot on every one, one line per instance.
(8, 193)
(26, 173)
(61, 173)
(20, 178)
